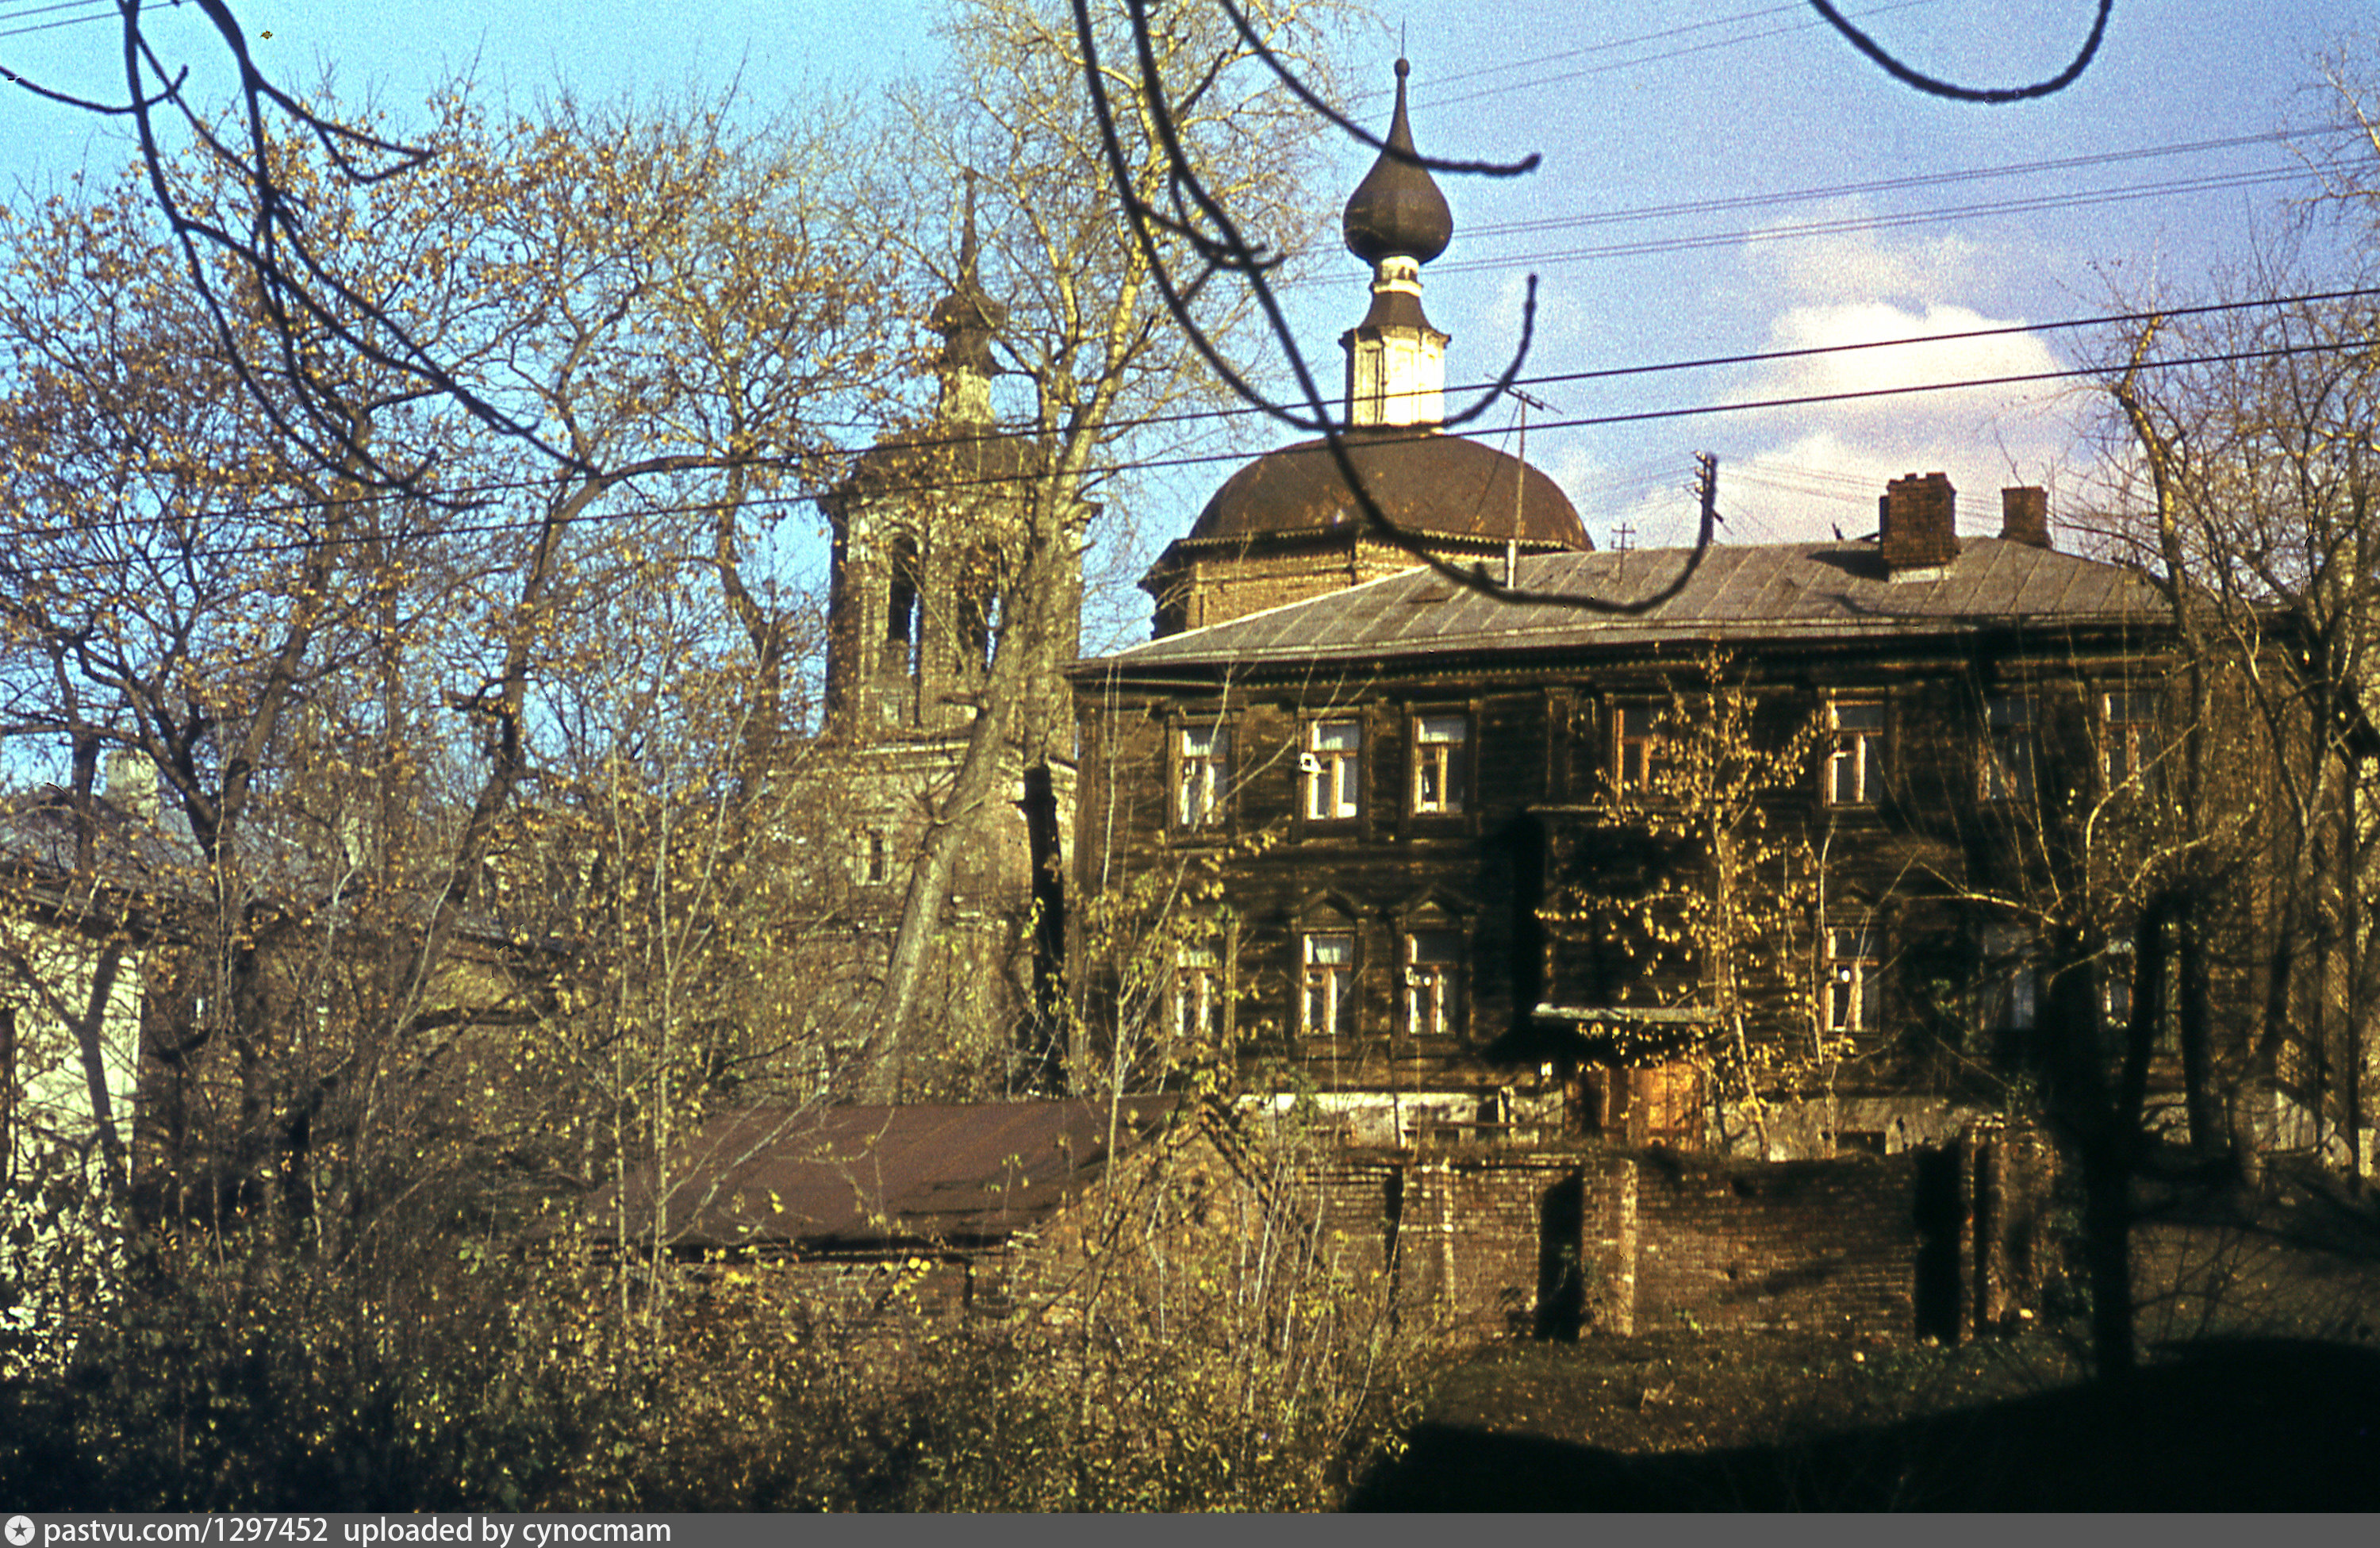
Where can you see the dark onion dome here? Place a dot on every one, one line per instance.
(1396, 211)
(1441, 485)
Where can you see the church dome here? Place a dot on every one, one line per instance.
(1440, 486)
(1396, 211)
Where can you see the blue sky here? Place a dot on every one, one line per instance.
(1674, 135)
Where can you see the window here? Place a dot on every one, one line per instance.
(2116, 975)
(904, 635)
(877, 866)
(1631, 746)
(1434, 961)
(2118, 970)
(1198, 995)
(1852, 961)
(1202, 776)
(2008, 760)
(2011, 988)
(2129, 748)
(1326, 983)
(1331, 766)
(1442, 763)
(1855, 769)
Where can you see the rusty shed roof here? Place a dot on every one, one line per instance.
(1766, 592)
(847, 1176)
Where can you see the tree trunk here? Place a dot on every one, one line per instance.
(1017, 685)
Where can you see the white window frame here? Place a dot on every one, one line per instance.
(1436, 972)
(1202, 775)
(1853, 964)
(1326, 982)
(1196, 1003)
(1855, 768)
(1442, 762)
(1333, 774)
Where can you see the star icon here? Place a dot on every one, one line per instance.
(20, 1531)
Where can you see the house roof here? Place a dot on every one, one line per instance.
(1767, 593)
(130, 857)
(859, 1175)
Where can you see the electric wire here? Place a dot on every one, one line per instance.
(107, 15)
(811, 494)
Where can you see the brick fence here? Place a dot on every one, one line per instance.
(1557, 1242)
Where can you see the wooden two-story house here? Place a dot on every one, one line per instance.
(1785, 861)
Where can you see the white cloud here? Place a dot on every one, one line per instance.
(1794, 473)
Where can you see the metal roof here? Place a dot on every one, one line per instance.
(1424, 481)
(858, 1176)
(1814, 592)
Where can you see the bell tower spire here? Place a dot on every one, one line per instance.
(967, 318)
(1396, 221)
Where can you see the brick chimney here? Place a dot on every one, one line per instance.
(2025, 517)
(1920, 517)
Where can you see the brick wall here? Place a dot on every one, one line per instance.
(1555, 1242)
(1812, 1245)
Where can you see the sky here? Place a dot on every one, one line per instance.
(1719, 177)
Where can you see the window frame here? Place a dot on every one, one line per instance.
(2010, 768)
(1642, 741)
(1337, 771)
(1339, 985)
(1868, 749)
(2131, 745)
(2009, 958)
(1446, 979)
(1202, 973)
(1453, 770)
(1855, 980)
(1214, 812)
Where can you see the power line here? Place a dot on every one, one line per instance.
(2203, 183)
(1882, 185)
(107, 15)
(811, 494)
(956, 442)
(20, 12)
(1429, 98)
(1705, 362)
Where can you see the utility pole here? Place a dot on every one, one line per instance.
(1706, 485)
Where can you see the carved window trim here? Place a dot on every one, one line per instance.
(1200, 1000)
(1434, 961)
(1441, 762)
(1331, 768)
(1636, 741)
(1860, 728)
(1328, 960)
(1199, 775)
